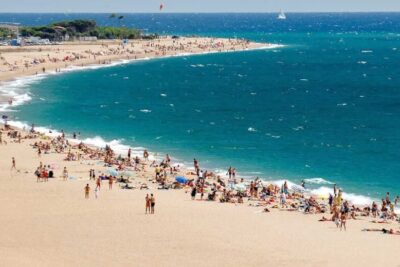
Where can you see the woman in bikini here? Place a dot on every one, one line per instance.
(148, 204)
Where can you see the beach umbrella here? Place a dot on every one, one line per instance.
(112, 172)
(240, 187)
(181, 179)
(127, 173)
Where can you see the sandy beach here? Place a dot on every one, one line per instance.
(31, 60)
(52, 224)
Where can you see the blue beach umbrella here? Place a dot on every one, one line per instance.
(181, 179)
(112, 172)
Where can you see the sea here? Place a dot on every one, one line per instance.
(323, 106)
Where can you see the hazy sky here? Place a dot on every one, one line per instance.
(130, 6)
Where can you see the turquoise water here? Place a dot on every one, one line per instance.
(327, 104)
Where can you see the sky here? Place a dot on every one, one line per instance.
(132, 6)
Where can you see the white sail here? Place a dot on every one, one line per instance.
(281, 15)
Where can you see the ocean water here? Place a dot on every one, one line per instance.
(323, 107)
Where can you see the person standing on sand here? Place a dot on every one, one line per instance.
(65, 174)
(148, 204)
(194, 192)
(145, 155)
(152, 203)
(87, 190)
(13, 166)
(196, 167)
(93, 175)
(229, 172)
(98, 183)
(110, 182)
(343, 215)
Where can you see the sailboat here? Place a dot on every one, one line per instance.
(281, 15)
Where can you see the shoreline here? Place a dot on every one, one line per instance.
(358, 199)
(244, 232)
(7, 79)
(112, 60)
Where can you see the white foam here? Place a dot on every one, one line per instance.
(352, 198)
(317, 181)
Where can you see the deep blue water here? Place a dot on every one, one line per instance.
(327, 104)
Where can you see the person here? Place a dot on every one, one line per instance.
(98, 182)
(285, 188)
(87, 190)
(110, 182)
(152, 203)
(148, 204)
(383, 230)
(283, 200)
(145, 155)
(303, 184)
(343, 215)
(343, 221)
(229, 172)
(194, 191)
(388, 198)
(65, 174)
(196, 167)
(330, 201)
(374, 209)
(129, 154)
(157, 170)
(13, 166)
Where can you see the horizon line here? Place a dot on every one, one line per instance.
(201, 12)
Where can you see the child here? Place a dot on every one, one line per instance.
(343, 221)
(87, 190)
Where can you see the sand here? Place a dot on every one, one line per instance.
(51, 224)
(30, 60)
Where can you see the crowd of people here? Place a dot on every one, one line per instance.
(203, 184)
(104, 52)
